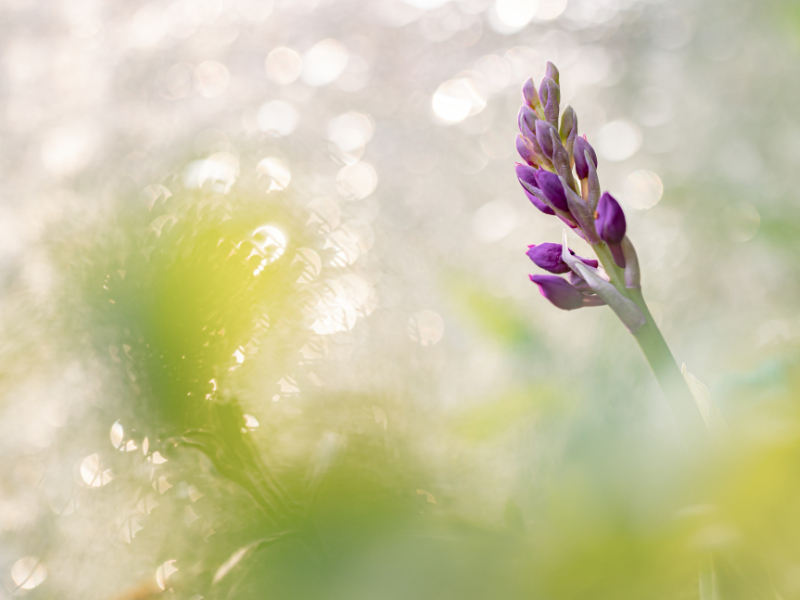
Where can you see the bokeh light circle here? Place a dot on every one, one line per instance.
(283, 65)
(211, 79)
(643, 189)
(28, 572)
(618, 141)
(324, 62)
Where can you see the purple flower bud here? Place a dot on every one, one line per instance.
(610, 219)
(529, 94)
(527, 174)
(582, 147)
(548, 257)
(526, 117)
(558, 291)
(611, 226)
(525, 150)
(569, 124)
(551, 105)
(543, 129)
(551, 72)
(539, 204)
(536, 197)
(550, 184)
(527, 177)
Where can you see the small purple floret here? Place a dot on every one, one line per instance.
(551, 186)
(558, 291)
(581, 166)
(548, 257)
(610, 219)
(527, 174)
(543, 129)
(538, 203)
(525, 150)
(611, 226)
(529, 95)
(526, 118)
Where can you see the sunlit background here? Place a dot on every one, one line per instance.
(266, 323)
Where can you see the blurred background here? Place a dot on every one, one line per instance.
(266, 328)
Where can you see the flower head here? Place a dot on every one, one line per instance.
(551, 187)
(610, 219)
(548, 257)
(582, 148)
(611, 226)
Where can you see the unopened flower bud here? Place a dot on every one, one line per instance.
(610, 219)
(611, 226)
(569, 129)
(543, 136)
(550, 184)
(529, 94)
(527, 174)
(526, 118)
(583, 147)
(548, 257)
(558, 291)
(551, 106)
(560, 160)
(569, 122)
(525, 150)
(551, 72)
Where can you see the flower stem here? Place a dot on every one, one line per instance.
(655, 349)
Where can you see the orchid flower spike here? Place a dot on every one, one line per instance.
(559, 177)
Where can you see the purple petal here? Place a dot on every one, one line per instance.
(527, 174)
(581, 167)
(558, 291)
(529, 94)
(548, 257)
(551, 71)
(526, 117)
(538, 203)
(551, 186)
(525, 150)
(610, 220)
(543, 129)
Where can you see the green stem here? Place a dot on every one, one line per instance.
(669, 376)
(655, 349)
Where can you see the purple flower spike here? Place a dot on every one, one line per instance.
(582, 146)
(558, 291)
(543, 129)
(548, 257)
(551, 186)
(525, 150)
(611, 226)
